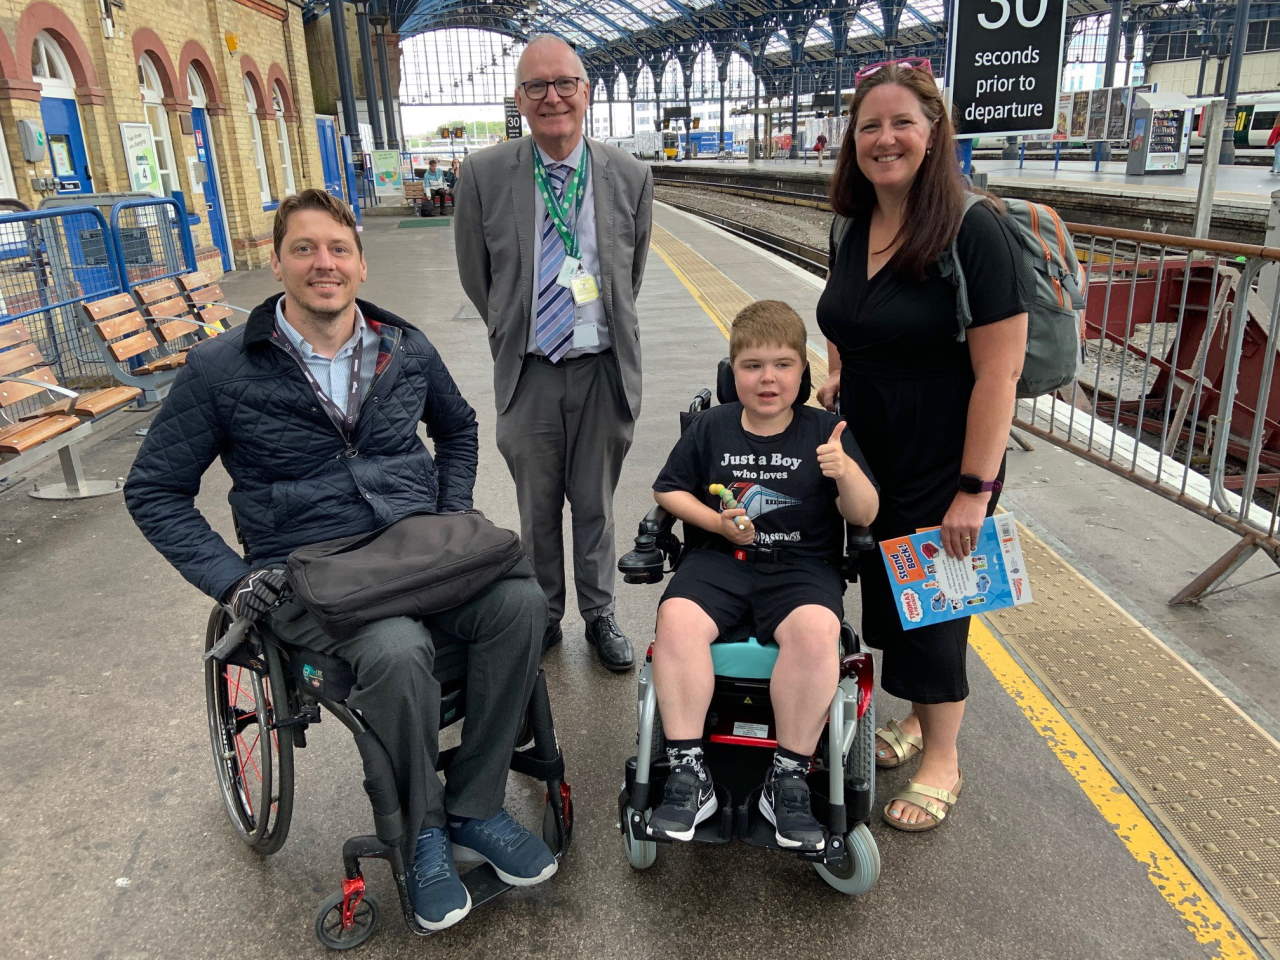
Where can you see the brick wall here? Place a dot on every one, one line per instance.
(269, 46)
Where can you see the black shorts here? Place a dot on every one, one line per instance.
(732, 592)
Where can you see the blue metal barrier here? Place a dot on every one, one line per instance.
(51, 261)
(152, 244)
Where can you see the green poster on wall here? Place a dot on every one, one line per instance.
(387, 180)
(140, 157)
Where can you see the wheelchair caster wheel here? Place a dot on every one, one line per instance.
(329, 928)
(861, 867)
(641, 854)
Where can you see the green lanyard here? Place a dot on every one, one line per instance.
(575, 188)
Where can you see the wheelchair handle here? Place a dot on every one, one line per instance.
(230, 640)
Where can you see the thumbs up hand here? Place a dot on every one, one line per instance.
(832, 459)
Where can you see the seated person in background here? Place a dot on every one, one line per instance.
(313, 407)
(434, 183)
(451, 175)
(800, 477)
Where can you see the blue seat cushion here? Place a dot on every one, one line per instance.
(745, 659)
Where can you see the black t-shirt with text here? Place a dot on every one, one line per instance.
(776, 479)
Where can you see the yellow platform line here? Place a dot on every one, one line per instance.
(1204, 917)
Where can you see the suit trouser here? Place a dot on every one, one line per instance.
(399, 697)
(564, 436)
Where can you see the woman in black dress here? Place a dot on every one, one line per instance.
(930, 412)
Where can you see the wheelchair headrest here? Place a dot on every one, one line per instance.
(726, 392)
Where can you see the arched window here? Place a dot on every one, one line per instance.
(282, 138)
(255, 128)
(158, 121)
(50, 69)
(195, 89)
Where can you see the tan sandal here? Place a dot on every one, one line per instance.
(904, 746)
(926, 798)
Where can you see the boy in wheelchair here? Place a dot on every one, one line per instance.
(771, 561)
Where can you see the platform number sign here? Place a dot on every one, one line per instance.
(1006, 61)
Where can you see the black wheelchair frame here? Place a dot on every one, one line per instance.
(253, 730)
(843, 779)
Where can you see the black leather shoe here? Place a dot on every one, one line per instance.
(552, 635)
(610, 642)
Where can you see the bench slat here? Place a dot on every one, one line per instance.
(190, 281)
(160, 290)
(19, 358)
(215, 314)
(101, 401)
(119, 326)
(11, 333)
(23, 436)
(173, 307)
(167, 362)
(11, 393)
(132, 346)
(176, 329)
(109, 306)
(206, 295)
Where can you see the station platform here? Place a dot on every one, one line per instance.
(1158, 203)
(1122, 794)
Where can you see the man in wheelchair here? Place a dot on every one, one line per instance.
(313, 407)
(795, 478)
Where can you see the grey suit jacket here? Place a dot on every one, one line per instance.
(493, 234)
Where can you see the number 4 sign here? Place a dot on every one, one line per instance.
(1006, 58)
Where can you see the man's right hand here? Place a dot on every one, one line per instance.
(257, 593)
(729, 529)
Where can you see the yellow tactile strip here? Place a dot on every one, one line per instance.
(719, 297)
(1205, 770)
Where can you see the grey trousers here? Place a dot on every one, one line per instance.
(564, 437)
(399, 698)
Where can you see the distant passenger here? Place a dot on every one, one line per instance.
(820, 146)
(931, 414)
(436, 185)
(451, 175)
(551, 235)
(1273, 141)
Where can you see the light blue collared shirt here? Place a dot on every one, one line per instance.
(588, 247)
(334, 373)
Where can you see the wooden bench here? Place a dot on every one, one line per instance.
(40, 417)
(207, 301)
(130, 346)
(170, 315)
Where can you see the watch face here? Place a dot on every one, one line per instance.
(969, 484)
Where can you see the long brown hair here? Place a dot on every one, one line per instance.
(935, 203)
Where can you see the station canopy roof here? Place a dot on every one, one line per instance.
(618, 30)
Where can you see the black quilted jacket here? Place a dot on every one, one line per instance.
(295, 478)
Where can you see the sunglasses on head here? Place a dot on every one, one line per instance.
(911, 63)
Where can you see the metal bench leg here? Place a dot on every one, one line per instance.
(76, 486)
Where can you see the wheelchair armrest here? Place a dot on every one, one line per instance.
(655, 545)
(859, 544)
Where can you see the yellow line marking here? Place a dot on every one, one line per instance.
(1204, 917)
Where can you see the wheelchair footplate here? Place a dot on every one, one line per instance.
(753, 828)
(716, 829)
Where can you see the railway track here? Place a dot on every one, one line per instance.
(810, 258)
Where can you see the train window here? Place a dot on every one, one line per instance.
(1264, 119)
(1257, 36)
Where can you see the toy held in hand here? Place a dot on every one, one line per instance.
(726, 497)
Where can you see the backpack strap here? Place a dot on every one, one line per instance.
(953, 269)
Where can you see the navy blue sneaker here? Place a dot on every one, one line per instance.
(516, 855)
(439, 898)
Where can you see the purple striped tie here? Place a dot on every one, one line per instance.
(553, 330)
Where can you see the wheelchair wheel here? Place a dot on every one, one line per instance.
(860, 764)
(861, 867)
(253, 759)
(641, 854)
(329, 929)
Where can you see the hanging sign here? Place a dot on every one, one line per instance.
(1007, 59)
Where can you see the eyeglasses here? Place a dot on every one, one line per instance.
(565, 87)
(911, 63)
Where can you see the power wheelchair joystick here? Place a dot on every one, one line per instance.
(655, 546)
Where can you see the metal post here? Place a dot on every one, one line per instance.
(1239, 39)
(609, 91)
(836, 105)
(633, 112)
(723, 72)
(1213, 113)
(384, 73)
(755, 113)
(366, 68)
(1109, 69)
(337, 21)
(797, 57)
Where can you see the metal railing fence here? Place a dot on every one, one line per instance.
(1175, 392)
(153, 238)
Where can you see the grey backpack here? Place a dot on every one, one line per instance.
(1053, 324)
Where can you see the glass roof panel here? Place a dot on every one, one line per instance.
(868, 21)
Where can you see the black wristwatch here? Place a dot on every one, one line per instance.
(968, 483)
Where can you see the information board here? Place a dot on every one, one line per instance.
(1007, 59)
(1097, 129)
(513, 118)
(387, 180)
(140, 158)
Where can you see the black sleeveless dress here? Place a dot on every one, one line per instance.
(905, 383)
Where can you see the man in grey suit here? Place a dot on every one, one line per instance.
(551, 238)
